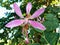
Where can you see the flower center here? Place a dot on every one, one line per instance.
(26, 20)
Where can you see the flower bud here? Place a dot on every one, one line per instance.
(26, 40)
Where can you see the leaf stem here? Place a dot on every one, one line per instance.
(45, 38)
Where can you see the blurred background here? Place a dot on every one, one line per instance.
(51, 36)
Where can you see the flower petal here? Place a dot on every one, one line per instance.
(14, 23)
(17, 10)
(37, 13)
(28, 7)
(37, 25)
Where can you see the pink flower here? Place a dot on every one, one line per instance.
(18, 22)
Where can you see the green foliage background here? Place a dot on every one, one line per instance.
(47, 37)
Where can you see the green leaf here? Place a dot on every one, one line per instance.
(49, 16)
(51, 22)
(35, 44)
(52, 38)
